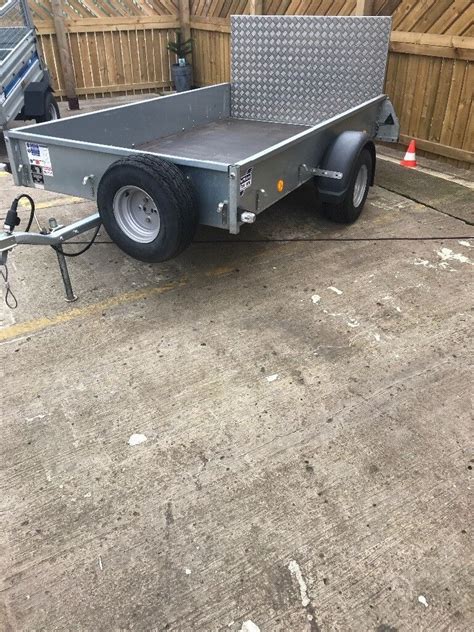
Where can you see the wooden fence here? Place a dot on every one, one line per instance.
(115, 47)
(120, 47)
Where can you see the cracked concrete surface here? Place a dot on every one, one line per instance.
(353, 466)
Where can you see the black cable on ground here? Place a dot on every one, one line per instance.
(305, 239)
(312, 239)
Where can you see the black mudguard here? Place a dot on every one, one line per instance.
(341, 156)
(35, 94)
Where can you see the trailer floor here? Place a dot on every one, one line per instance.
(227, 140)
(304, 391)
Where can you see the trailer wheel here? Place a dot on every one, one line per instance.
(347, 211)
(147, 207)
(51, 109)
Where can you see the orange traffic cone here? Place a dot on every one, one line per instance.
(410, 156)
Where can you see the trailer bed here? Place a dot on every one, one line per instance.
(227, 140)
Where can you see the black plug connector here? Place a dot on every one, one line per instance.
(12, 220)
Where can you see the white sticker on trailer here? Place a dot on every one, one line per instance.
(37, 176)
(38, 155)
(246, 181)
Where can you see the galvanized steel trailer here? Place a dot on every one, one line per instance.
(305, 102)
(25, 86)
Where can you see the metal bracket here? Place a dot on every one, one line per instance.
(320, 173)
(222, 210)
(89, 180)
(260, 193)
(387, 125)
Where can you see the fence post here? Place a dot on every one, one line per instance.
(256, 7)
(65, 54)
(184, 18)
(365, 7)
(185, 26)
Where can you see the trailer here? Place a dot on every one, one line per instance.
(305, 103)
(25, 85)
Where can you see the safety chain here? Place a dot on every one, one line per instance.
(9, 297)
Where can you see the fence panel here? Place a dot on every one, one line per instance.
(118, 47)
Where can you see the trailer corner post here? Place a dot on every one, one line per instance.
(65, 54)
(233, 219)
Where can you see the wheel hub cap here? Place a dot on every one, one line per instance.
(136, 214)
(360, 185)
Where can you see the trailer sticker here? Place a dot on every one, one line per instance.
(37, 176)
(246, 180)
(38, 156)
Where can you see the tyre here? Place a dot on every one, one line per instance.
(147, 207)
(51, 109)
(347, 211)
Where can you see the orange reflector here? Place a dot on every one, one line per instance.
(280, 185)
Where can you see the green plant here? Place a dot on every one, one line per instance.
(181, 48)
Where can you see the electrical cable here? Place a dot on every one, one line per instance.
(305, 239)
(32, 209)
(324, 239)
(79, 252)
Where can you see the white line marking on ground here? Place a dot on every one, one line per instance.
(335, 289)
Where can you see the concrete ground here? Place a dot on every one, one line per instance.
(304, 391)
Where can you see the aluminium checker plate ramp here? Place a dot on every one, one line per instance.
(306, 69)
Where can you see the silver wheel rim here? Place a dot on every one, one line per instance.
(136, 214)
(53, 115)
(360, 185)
